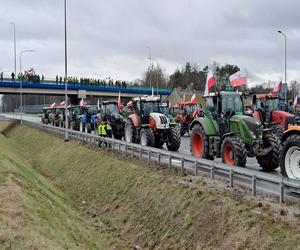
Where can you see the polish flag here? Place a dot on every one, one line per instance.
(210, 82)
(120, 105)
(194, 99)
(277, 87)
(295, 101)
(62, 104)
(53, 105)
(239, 78)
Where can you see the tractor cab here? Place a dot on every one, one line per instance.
(47, 112)
(187, 112)
(270, 109)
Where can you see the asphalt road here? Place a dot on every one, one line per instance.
(184, 148)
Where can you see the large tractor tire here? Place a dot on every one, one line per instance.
(147, 137)
(130, 132)
(270, 161)
(290, 157)
(199, 144)
(277, 130)
(174, 139)
(234, 151)
(181, 126)
(88, 128)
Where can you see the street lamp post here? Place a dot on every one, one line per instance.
(15, 48)
(150, 67)
(21, 94)
(285, 56)
(66, 75)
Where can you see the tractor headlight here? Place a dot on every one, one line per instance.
(252, 134)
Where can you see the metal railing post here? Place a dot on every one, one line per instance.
(253, 185)
(231, 177)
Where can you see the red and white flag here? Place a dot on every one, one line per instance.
(82, 103)
(194, 99)
(239, 78)
(295, 101)
(277, 87)
(62, 104)
(210, 82)
(120, 105)
(53, 105)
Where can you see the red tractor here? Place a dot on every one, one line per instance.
(269, 109)
(148, 126)
(187, 112)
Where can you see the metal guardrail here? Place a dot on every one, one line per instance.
(251, 179)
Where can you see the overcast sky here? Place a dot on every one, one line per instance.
(109, 38)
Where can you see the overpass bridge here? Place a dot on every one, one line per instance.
(77, 91)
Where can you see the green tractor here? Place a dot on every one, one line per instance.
(222, 130)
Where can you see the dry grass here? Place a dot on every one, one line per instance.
(153, 208)
(36, 215)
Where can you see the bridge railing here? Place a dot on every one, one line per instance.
(90, 84)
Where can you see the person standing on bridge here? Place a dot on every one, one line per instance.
(1, 76)
(13, 76)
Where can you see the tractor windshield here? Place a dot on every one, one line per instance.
(272, 104)
(151, 107)
(165, 109)
(76, 110)
(232, 104)
(111, 108)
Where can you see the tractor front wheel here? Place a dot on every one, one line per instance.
(234, 151)
(290, 157)
(181, 126)
(270, 161)
(277, 130)
(147, 137)
(174, 139)
(199, 143)
(130, 132)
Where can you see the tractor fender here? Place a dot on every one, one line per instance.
(208, 126)
(292, 130)
(135, 120)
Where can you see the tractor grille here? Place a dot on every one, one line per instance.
(163, 119)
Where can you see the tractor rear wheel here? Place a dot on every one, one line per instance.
(290, 157)
(199, 143)
(270, 161)
(277, 130)
(234, 151)
(174, 139)
(147, 137)
(130, 132)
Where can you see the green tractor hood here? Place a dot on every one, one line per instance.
(247, 126)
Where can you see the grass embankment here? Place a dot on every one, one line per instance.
(36, 215)
(151, 207)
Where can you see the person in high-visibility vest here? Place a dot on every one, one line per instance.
(102, 131)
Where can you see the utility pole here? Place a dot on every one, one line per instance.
(66, 76)
(285, 59)
(150, 66)
(15, 49)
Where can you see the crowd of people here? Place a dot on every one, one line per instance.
(108, 82)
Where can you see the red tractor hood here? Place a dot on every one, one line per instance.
(282, 117)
